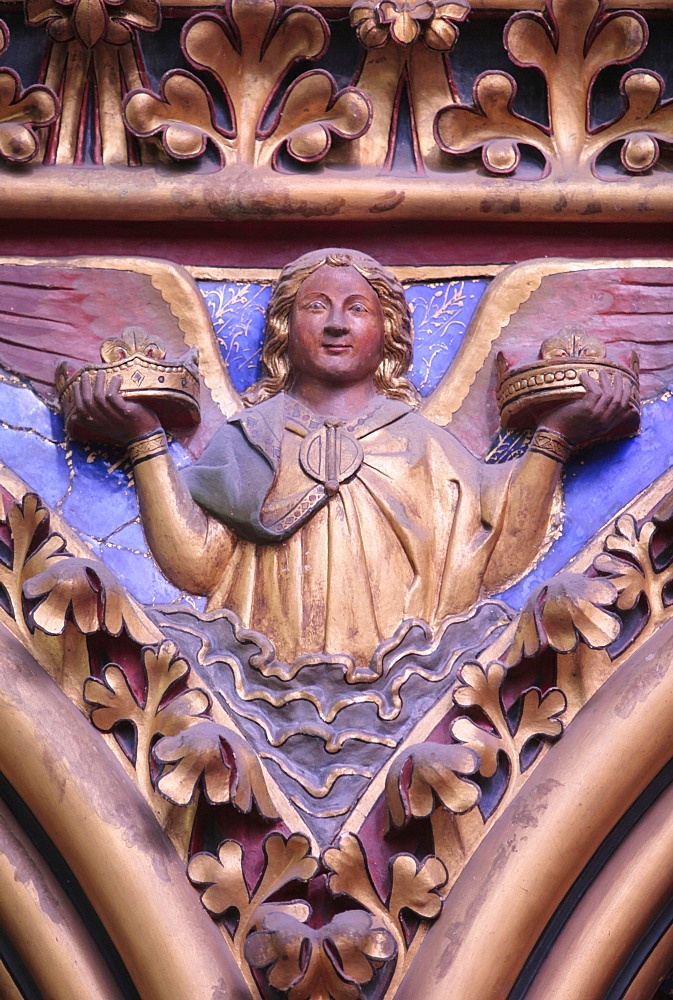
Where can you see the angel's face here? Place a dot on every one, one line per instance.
(336, 328)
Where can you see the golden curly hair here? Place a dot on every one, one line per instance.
(390, 378)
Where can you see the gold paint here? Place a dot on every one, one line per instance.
(616, 912)
(249, 73)
(501, 300)
(106, 60)
(75, 68)
(571, 801)
(310, 115)
(8, 988)
(238, 194)
(654, 969)
(296, 957)
(479, 5)
(319, 813)
(407, 274)
(584, 43)
(43, 926)
(107, 835)
(414, 582)
(287, 860)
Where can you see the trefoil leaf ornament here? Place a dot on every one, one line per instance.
(570, 43)
(21, 112)
(249, 51)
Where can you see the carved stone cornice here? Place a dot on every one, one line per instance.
(233, 131)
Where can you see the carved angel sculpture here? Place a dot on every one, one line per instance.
(329, 511)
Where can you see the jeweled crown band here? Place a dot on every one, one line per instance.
(148, 446)
(552, 444)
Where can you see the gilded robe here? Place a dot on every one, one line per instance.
(408, 536)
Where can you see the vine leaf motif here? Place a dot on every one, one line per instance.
(562, 612)
(427, 774)
(224, 877)
(287, 860)
(404, 21)
(482, 690)
(83, 590)
(332, 962)
(249, 52)
(414, 886)
(629, 565)
(22, 111)
(151, 713)
(229, 768)
(570, 44)
(94, 21)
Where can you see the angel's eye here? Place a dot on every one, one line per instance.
(358, 307)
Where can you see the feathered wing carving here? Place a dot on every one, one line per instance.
(627, 303)
(55, 309)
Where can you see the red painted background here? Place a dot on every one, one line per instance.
(270, 244)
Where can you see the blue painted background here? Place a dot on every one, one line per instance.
(91, 486)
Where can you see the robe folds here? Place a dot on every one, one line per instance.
(408, 536)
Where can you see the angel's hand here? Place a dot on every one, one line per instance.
(105, 411)
(604, 406)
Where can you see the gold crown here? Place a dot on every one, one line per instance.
(170, 388)
(526, 392)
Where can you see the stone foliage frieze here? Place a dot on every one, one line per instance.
(397, 105)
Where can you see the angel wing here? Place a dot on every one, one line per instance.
(53, 309)
(629, 305)
(62, 309)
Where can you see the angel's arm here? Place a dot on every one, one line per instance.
(533, 481)
(190, 547)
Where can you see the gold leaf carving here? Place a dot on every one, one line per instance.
(64, 587)
(184, 113)
(628, 561)
(114, 701)
(87, 592)
(415, 885)
(482, 690)
(21, 112)
(311, 113)
(564, 611)
(404, 21)
(428, 774)
(629, 565)
(229, 768)
(224, 877)
(249, 53)
(94, 21)
(570, 44)
(350, 876)
(286, 860)
(332, 962)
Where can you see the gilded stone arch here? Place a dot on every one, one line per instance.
(198, 798)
